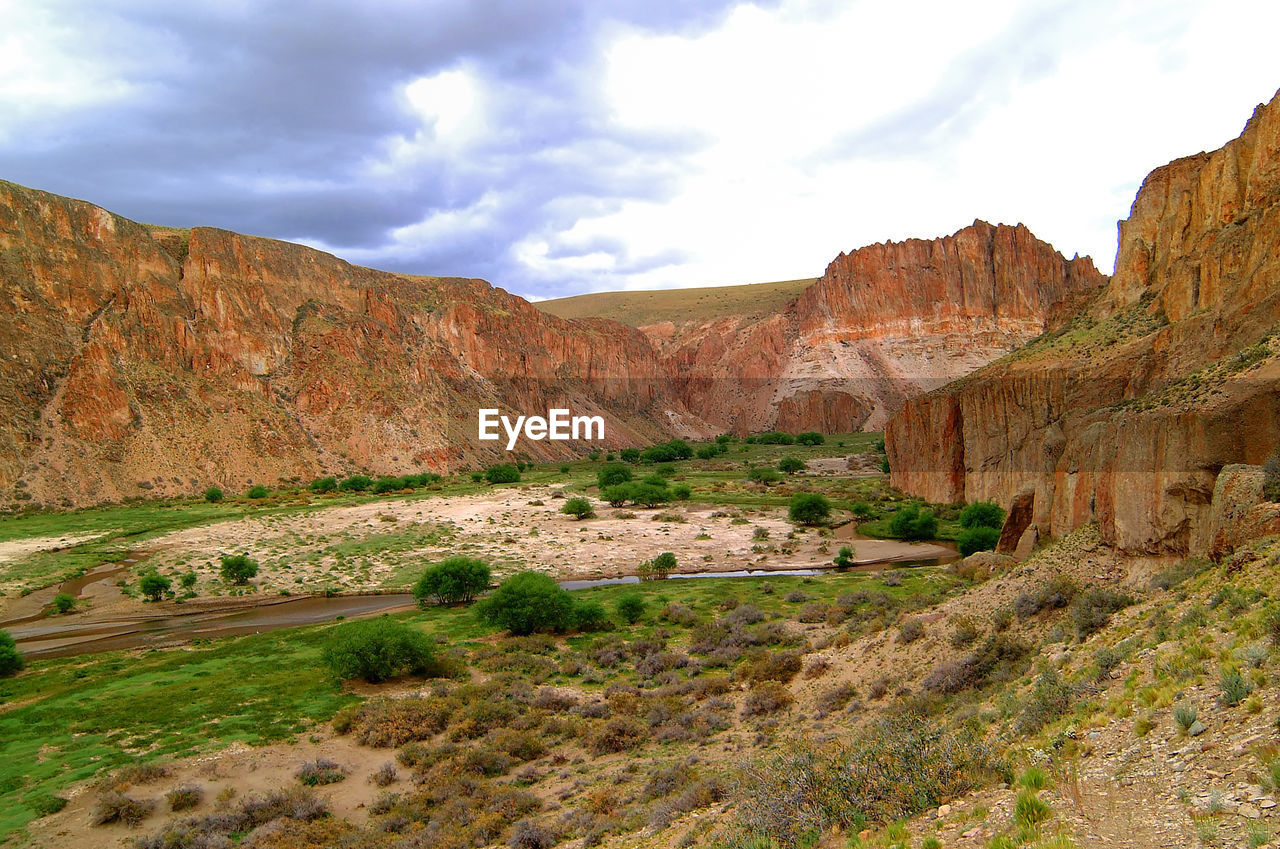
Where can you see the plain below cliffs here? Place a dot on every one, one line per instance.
(1127, 413)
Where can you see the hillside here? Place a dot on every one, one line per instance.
(641, 308)
(1127, 413)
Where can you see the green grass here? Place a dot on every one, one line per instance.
(66, 720)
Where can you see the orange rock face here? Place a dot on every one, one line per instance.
(883, 324)
(1126, 417)
(147, 361)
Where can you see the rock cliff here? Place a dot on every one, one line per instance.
(1125, 415)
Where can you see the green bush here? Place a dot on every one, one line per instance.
(328, 484)
(982, 514)
(630, 455)
(791, 465)
(681, 492)
(11, 661)
(389, 484)
(631, 607)
(650, 495)
(613, 474)
(258, 491)
(1092, 609)
(578, 507)
(1235, 688)
(589, 616)
(667, 452)
(844, 558)
(502, 473)
(809, 508)
(774, 437)
(618, 494)
(528, 602)
(764, 475)
(454, 580)
(154, 585)
(375, 650)
(913, 523)
(64, 602)
(977, 538)
(810, 438)
(707, 452)
(356, 483)
(238, 568)
(213, 495)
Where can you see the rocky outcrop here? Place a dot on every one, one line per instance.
(1126, 415)
(143, 361)
(883, 324)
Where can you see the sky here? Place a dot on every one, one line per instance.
(555, 147)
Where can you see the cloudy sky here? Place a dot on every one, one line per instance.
(562, 146)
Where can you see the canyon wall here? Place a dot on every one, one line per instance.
(1126, 414)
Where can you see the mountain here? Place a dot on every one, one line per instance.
(1127, 414)
(144, 360)
(883, 324)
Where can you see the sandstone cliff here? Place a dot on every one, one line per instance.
(150, 361)
(883, 324)
(1126, 415)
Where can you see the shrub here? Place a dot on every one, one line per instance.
(913, 523)
(213, 495)
(707, 452)
(183, 798)
(238, 568)
(258, 491)
(618, 494)
(998, 659)
(774, 437)
(1050, 698)
(964, 631)
(791, 465)
(502, 473)
(809, 508)
(650, 494)
(385, 775)
(154, 585)
(667, 452)
(1235, 688)
(834, 699)
(454, 580)
(528, 834)
(375, 650)
(629, 455)
(188, 580)
(590, 616)
(612, 475)
(779, 666)
(863, 510)
(982, 514)
(1091, 610)
(659, 567)
(617, 735)
(631, 607)
(114, 806)
(389, 484)
(977, 538)
(65, 602)
(578, 507)
(910, 630)
(765, 698)
(844, 558)
(681, 492)
(326, 484)
(764, 475)
(1054, 594)
(1185, 716)
(11, 661)
(810, 438)
(319, 772)
(528, 602)
(355, 483)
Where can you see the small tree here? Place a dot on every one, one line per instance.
(791, 465)
(650, 495)
(618, 494)
(977, 538)
(11, 661)
(213, 495)
(590, 616)
(986, 514)
(811, 437)
(707, 452)
(681, 492)
(375, 650)
(238, 568)
(764, 475)
(528, 602)
(844, 558)
(328, 484)
(188, 580)
(63, 603)
(629, 455)
(258, 491)
(809, 508)
(631, 607)
(913, 523)
(663, 565)
(613, 474)
(578, 507)
(502, 473)
(154, 585)
(356, 483)
(454, 580)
